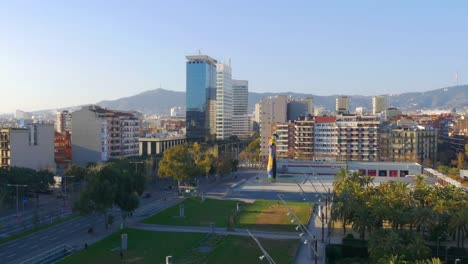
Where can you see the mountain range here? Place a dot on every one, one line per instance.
(159, 101)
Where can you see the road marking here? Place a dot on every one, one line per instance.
(12, 255)
(12, 245)
(44, 237)
(35, 246)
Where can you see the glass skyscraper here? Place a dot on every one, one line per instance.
(200, 97)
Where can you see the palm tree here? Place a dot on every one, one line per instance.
(392, 259)
(458, 224)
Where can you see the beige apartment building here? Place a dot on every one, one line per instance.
(31, 147)
(271, 110)
(99, 134)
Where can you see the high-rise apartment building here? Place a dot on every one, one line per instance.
(286, 139)
(357, 137)
(240, 117)
(99, 134)
(200, 97)
(325, 139)
(272, 110)
(63, 121)
(31, 146)
(379, 104)
(304, 138)
(342, 105)
(224, 101)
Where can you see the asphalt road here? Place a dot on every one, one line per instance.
(74, 232)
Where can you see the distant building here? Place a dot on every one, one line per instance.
(99, 134)
(177, 111)
(304, 138)
(155, 146)
(63, 121)
(391, 113)
(342, 105)
(23, 115)
(200, 97)
(379, 104)
(360, 110)
(286, 139)
(300, 107)
(272, 110)
(30, 147)
(224, 100)
(240, 117)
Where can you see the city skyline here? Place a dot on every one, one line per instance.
(64, 54)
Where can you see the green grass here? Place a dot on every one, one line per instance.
(260, 215)
(244, 250)
(143, 247)
(30, 231)
(196, 213)
(153, 247)
(272, 215)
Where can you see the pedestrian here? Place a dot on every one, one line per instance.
(85, 245)
(121, 254)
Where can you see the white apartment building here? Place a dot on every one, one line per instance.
(379, 104)
(272, 110)
(224, 101)
(63, 121)
(31, 147)
(342, 105)
(325, 139)
(99, 134)
(240, 117)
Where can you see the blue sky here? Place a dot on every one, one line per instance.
(64, 53)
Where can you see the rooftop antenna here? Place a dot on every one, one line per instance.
(457, 78)
(199, 51)
(229, 62)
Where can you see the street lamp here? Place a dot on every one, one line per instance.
(17, 186)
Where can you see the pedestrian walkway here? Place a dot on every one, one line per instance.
(215, 230)
(305, 254)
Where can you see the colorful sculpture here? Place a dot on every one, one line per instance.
(271, 167)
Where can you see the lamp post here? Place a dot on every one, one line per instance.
(17, 187)
(265, 253)
(65, 189)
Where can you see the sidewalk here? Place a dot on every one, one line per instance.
(305, 254)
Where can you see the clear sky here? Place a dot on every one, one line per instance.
(64, 53)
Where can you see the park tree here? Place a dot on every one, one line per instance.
(178, 163)
(79, 172)
(116, 183)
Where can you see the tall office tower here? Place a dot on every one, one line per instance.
(63, 122)
(379, 104)
(342, 105)
(240, 117)
(223, 101)
(272, 110)
(256, 114)
(200, 97)
(99, 134)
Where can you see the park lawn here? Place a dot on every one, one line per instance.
(236, 249)
(143, 247)
(272, 215)
(196, 213)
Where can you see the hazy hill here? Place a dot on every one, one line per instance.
(161, 100)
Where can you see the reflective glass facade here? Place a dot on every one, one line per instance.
(201, 91)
